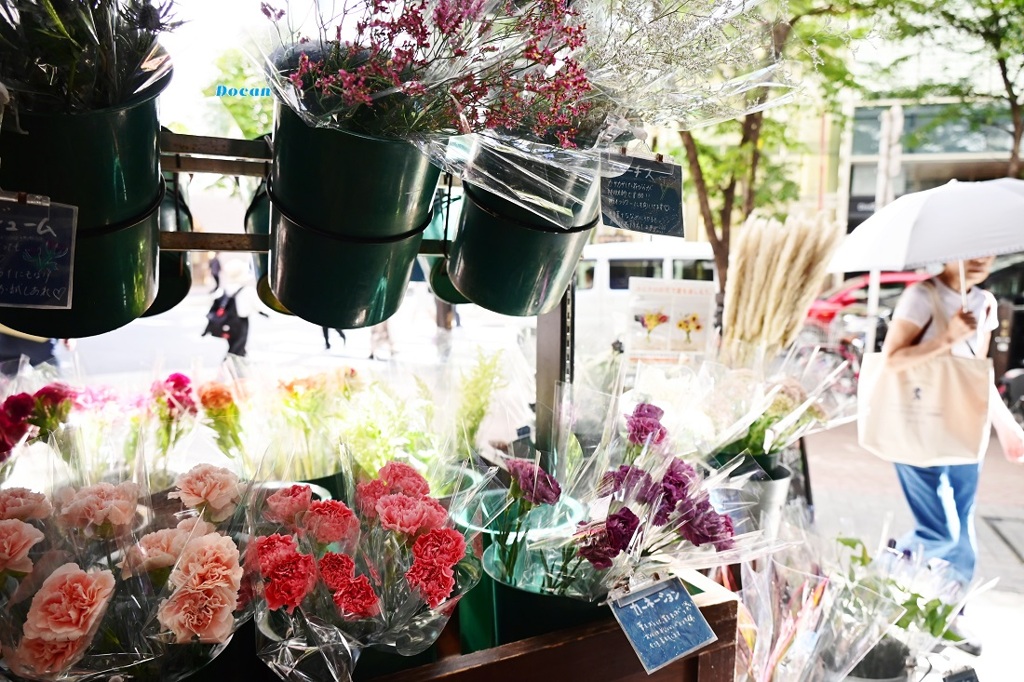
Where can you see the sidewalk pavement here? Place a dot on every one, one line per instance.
(855, 492)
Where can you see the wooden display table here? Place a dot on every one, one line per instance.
(598, 652)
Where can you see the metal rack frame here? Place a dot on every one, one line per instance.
(251, 158)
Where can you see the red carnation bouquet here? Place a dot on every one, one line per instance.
(386, 572)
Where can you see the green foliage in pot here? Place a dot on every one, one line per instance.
(74, 56)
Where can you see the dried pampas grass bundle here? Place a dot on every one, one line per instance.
(775, 272)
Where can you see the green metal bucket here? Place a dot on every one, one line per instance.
(114, 282)
(510, 261)
(436, 267)
(175, 267)
(348, 184)
(257, 221)
(106, 162)
(337, 281)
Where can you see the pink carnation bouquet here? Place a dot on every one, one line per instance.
(384, 572)
(66, 612)
(193, 556)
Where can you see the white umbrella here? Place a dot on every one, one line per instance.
(956, 221)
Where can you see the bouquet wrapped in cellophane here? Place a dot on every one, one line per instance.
(636, 506)
(67, 611)
(384, 571)
(192, 557)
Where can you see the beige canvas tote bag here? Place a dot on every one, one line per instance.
(934, 414)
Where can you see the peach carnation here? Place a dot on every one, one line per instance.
(203, 615)
(36, 656)
(207, 562)
(23, 504)
(102, 505)
(214, 491)
(16, 539)
(69, 604)
(154, 551)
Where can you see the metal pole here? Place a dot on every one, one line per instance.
(555, 345)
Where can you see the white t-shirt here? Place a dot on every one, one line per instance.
(916, 306)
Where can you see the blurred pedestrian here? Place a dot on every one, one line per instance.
(380, 336)
(327, 336)
(215, 271)
(229, 315)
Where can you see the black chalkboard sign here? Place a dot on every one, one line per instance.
(648, 197)
(662, 623)
(37, 254)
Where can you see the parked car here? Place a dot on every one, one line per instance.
(853, 293)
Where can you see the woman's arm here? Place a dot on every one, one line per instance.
(902, 353)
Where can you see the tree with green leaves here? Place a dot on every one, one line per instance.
(967, 38)
(254, 116)
(731, 168)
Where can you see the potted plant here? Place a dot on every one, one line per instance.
(351, 196)
(83, 129)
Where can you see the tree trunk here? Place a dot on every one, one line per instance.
(719, 244)
(1014, 168)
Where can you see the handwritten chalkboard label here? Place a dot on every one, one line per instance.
(662, 623)
(647, 198)
(37, 254)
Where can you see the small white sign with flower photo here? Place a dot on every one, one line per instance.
(669, 315)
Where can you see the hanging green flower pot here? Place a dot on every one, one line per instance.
(348, 216)
(257, 221)
(175, 267)
(105, 162)
(114, 282)
(509, 260)
(349, 184)
(336, 281)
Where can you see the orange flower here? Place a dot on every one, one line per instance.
(215, 396)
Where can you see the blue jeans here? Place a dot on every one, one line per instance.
(942, 501)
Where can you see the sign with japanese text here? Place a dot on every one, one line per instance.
(37, 254)
(647, 198)
(662, 623)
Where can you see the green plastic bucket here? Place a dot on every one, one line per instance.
(257, 221)
(105, 162)
(175, 267)
(114, 282)
(509, 260)
(337, 281)
(348, 184)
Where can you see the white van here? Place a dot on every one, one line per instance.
(602, 281)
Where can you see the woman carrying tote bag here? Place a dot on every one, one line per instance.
(944, 316)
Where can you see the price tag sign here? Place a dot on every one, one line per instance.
(647, 198)
(37, 253)
(662, 623)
